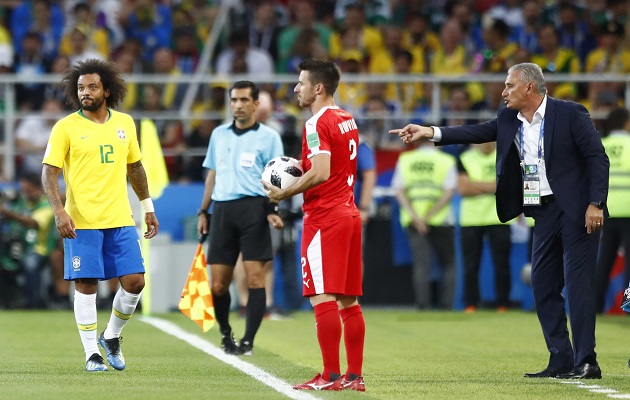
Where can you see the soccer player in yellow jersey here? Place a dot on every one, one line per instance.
(97, 149)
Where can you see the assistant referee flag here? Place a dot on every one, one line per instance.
(196, 301)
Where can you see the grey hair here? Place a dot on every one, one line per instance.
(531, 72)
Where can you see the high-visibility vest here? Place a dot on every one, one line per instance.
(618, 150)
(423, 174)
(479, 210)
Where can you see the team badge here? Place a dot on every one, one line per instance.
(76, 263)
(121, 134)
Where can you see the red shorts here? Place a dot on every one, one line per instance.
(331, 257)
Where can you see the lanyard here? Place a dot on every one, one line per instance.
(540, 142)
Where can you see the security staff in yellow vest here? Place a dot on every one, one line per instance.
(616, 232)
(425, 180)
(478, 219)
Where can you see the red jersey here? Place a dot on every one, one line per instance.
(331, 131)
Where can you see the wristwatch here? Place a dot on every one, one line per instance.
(598, 204)
(202, 211)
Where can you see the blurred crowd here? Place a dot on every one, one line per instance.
(263, 37)
(401, 37)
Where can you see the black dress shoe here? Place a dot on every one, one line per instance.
(583, 371)
(547, 373)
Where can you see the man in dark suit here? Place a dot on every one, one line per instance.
(552, 146)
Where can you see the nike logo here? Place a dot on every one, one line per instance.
(84, 137)
(306, 283)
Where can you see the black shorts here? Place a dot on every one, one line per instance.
(239, 226)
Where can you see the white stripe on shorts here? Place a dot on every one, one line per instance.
(314, 256)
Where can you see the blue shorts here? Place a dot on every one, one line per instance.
(103, 254)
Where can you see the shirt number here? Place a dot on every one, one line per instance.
(106, 151)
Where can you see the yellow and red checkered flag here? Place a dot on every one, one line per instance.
(196, 301)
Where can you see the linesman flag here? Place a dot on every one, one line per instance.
(196, 301)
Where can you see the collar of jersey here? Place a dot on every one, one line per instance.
(240, 131)
(83, 115)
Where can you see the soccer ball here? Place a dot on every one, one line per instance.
(282, 172)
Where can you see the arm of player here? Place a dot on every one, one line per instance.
(138, 180)
(50, 181)
(319, 173)
(202, 219)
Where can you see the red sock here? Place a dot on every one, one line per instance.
(328, 327)
(353, 338)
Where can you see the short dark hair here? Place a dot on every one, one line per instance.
(617, 119)
(322, 71)
(106, 70)
(254, 90)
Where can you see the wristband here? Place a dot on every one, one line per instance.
(272, 208)
(147, 205)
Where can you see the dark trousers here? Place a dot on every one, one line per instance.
(564, 256)
(440, 239)
(616, 233)
(472, 239)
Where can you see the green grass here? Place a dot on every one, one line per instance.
(408, 355)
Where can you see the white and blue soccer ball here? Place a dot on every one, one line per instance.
(282, 171)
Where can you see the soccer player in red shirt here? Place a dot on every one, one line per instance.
(331, 239)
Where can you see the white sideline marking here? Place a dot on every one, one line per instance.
(612, 393)
(208, 348)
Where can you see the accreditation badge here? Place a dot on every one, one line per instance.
(531, 186)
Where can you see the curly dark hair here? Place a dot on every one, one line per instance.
(110, 77)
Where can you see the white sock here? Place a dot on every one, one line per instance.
(124, 305)
(85, 315)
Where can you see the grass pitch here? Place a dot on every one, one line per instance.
(408, 355)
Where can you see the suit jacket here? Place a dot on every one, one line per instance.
(575, 160)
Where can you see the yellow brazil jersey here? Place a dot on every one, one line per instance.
(94, 159)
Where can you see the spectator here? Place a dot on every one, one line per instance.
(351, 96)
(616, 232)
(376, 121)
(377, 12)
(197, 141)
(80, 46)
(185, 49)
(29, 64)
(259, 62)
(31, 135)
(125, 62)
(556, 59)
(307, 45)
(499, 51)
(304, 17)
(369, 38)
(425, 180)
(264, 29)
(148, 22)
(54, 91)
(43, 17)
(574, 32)
(463, 12)
(383, 61)
(97, 37)
(172, 93)
(526, 35)
(418, 34)
(451, 58)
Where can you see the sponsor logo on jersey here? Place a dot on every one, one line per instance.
(76, 263)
